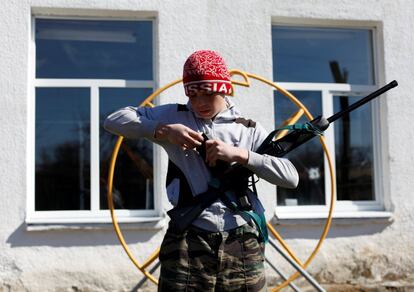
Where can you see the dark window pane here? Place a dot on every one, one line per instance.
(94, 49)
(308, 158)
(62, 150)
(353, 149)
(304, 54)
(133, 179)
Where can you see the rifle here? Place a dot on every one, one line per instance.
(235, 178)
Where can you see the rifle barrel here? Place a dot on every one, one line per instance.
(362, 101)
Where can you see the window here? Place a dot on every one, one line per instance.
(84, 70)
(327, 69)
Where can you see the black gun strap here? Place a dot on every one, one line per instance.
(186, 197)
(204, 200)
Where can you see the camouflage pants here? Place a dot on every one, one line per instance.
(197, 260)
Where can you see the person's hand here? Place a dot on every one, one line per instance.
(216, 149)
(179, 135)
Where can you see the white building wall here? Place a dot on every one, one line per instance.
(365, 252)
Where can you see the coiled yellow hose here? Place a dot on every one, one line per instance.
(246, 83)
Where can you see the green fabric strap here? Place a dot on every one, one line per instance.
(260, 222)
(307, 127)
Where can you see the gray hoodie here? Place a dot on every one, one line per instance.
(229, 127)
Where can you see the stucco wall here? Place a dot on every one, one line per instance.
(364, 252)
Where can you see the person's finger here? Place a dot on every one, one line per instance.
(211, 143)
(181, 142)
(182, 138)
(184, 147)
(210, 149)
(211, 160)
(211, 157)
(196, 136)
(192, 143)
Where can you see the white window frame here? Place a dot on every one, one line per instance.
(94, 215)
(343, 208)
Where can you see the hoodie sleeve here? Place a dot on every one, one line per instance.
(133, 123)
(278, 171)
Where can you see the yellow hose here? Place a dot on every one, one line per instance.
(327, 223)
(332, 175)
(291, 120)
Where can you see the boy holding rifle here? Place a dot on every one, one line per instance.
(222, 249)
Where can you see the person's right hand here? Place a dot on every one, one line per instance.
(179, 135)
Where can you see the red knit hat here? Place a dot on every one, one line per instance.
(206, 71)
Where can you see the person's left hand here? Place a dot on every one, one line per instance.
(216, 149)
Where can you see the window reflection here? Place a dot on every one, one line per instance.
(308, 158)
(353, 149)
(304, 54)
(94, 49)
(133, 179)
(62, 149)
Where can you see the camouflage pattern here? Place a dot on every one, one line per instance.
(197, 260)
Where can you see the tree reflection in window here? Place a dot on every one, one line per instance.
(353, 149)
(133, 178)
(62, 150)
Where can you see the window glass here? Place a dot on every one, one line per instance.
(327, 55)
(89, 49)
(353, 150)
(94, 49)
(133, 177)
(308, 158)
(62, 149)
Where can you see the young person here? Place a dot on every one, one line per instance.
(222, 250)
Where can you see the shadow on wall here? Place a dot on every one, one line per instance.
(22, 237)
(312, 229)
(90, 236)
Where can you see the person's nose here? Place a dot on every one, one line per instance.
(201, 101)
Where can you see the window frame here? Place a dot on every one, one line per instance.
(95, 214)
(348, 208)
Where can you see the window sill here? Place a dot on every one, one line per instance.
(338, 217)
(131, 223)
